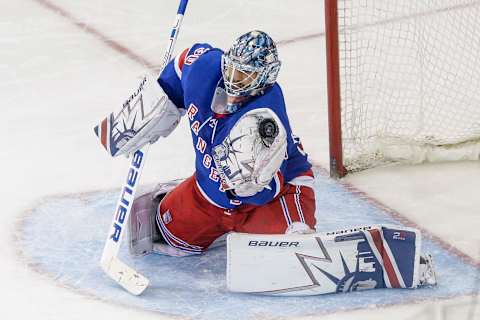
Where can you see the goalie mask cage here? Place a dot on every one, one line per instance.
(403, 80)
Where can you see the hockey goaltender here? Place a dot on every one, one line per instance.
(252, 181)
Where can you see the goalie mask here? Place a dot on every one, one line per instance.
(251, 65)
(250, 156)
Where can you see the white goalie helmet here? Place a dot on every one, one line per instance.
(252, 153)
(250, 65)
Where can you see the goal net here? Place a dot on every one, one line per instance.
(408, 74)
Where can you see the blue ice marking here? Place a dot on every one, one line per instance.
(195, 286)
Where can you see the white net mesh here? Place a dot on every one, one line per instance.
(410, 80)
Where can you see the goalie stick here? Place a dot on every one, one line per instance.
(127, 277)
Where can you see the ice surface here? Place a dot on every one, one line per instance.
(58, 80)
(64, 237)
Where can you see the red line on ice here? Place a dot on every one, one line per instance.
(115, 45)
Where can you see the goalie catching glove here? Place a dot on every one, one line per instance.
(252, 153)
(144, 117)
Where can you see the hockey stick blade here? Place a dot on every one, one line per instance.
(128, 278)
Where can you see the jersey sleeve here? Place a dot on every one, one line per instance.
(171, 77)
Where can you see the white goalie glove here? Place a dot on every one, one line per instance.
(144, 117)
(252, 153)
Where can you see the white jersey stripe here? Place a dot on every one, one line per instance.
(298, 204)
(286, 213)
(176, 239)
(171, 239)
(171, 243)
(171, 235)
(277, 184)
(177, 66)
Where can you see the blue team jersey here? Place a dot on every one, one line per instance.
(191, 81)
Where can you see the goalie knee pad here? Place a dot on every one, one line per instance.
(142, 227)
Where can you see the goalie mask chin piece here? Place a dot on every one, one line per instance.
(232, 107)
(221, 105)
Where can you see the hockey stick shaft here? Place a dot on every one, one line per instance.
(174, 34)
(124, 204)
(127, 277)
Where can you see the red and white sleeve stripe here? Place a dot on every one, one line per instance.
(179, 62)
(278, 178)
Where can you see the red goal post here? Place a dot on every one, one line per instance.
(403, 80)
(337, 168)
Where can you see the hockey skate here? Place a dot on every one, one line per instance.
(427, 276)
